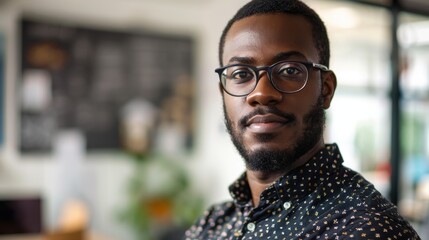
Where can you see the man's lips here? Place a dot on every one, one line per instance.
(266, 123)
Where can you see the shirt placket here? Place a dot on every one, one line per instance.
(252, 219)
(245, 227)
(239, 227)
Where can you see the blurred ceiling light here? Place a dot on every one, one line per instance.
(341, 17)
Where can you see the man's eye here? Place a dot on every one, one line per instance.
(290, 71)
(241, 75)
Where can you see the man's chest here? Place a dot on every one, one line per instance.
(281, 220)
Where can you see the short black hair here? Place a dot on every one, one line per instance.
(257, 7)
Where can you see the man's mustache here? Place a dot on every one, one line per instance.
(263, 111)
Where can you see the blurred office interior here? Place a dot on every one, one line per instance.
(111, 122)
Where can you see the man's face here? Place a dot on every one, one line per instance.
(272, 129)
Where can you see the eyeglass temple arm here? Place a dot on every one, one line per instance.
(321, 67)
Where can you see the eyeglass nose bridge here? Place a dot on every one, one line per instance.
(267, 70)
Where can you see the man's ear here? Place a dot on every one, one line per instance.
(329, 81)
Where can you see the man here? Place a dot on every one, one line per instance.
(276, 85)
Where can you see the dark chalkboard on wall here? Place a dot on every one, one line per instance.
(82, 78)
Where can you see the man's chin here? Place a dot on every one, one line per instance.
(269, 160)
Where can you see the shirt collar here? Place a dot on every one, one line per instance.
(296, 184)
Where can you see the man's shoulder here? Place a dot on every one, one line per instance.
(214, 216)
(219, 209)
(373, 223)
(367, 213)
(363, 194)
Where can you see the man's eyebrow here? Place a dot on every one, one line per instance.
(278, 57)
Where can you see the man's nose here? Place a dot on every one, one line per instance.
(264, 93)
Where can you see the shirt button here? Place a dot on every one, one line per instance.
(251, 227)
(287, 205)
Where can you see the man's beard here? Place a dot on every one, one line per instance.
(266, 160)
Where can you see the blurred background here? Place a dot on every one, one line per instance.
(111, 122)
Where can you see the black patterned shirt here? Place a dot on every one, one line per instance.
(320, 200)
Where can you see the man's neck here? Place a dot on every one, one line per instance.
(259, 181)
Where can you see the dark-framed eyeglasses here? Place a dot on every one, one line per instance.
(286, 76)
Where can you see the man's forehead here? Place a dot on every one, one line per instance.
(270, 34)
